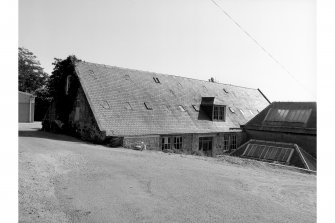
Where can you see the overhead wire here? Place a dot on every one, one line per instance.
(259, 45)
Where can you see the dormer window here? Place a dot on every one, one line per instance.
(219, 113)
(156, 80)
(67, 84)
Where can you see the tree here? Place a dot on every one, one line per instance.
(31, 74)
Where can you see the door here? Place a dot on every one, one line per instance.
(206, 145)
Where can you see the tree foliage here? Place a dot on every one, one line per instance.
(56, 86)
(31, 74)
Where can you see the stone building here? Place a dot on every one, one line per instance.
(26, 107)
(125, 107)
(284, 132)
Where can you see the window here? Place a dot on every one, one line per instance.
(166, 143)
(105, 104)
(67, 86)
(226, 142)
(288, 115)
(156, 80)
(232, 142)
(147, 105)
(181, 108)
(178, 142)
(271, 153)
(219, 113)
(196, 107)
(127, 106)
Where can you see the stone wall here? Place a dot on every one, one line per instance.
(152, 142)
(82, 122)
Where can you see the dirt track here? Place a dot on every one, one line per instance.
(62, 179)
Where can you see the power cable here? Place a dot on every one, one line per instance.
(258, 44)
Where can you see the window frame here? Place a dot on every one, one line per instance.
(219, 113)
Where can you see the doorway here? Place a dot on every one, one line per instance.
(206, 145)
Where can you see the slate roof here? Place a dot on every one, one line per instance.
(117, 96)
(261, 122)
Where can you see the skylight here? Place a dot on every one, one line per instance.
(181, 108)
(128, 106)
(104, 104)
(196, 107)
(147, 105)
(231, 109)
(156, 80)
(288, 115)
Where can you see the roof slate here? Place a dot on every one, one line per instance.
(108, 88)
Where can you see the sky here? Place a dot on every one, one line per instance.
(190, 38)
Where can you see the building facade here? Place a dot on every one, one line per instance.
(26, 107)
(119, 106)
(284, 132)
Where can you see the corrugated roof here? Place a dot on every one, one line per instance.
(109, 88)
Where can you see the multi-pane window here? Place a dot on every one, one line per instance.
(226, 142)
(232, 142)
(178, 142)
(219, 113)
(166, 143)
(172, 141)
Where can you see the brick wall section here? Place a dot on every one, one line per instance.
(306, 142)
(82, 122)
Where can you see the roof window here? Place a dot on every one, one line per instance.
(156, 80)
(181, 108)
(147, 105)
(231, 109)
(196, 107)
(105, 104)
(127, 77)
(128, 106)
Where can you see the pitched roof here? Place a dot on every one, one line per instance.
(295, 117)
(132, 102)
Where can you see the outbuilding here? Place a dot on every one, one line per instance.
(26, 107)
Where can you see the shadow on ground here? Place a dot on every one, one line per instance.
(38, 133)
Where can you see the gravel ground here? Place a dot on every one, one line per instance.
(62, 179)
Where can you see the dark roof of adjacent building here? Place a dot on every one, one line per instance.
(132, 102)
(293, 117)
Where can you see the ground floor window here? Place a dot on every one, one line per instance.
(169, 142)
(232, 142)
(166, 143)
(178, 142)
(229, 142)
(205, 145)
